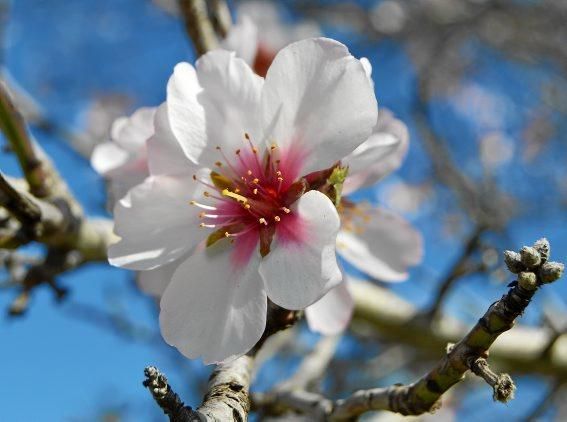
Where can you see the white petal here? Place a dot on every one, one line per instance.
(212, 309)
(367, 66)
(154, 282)
(242, 38)
(378, 156)
(331, 314)
(317, 99)
(156, 223)
(214, 109)
(383, 244)
(302, 266)
(108, 156)
(165, 155)
(231, 100)
(185, 113)
(132, 133)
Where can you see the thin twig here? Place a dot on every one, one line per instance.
(424, 395)
(460, 268)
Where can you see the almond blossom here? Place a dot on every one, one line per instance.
(259, 34)
(122, 160)
(230, 200)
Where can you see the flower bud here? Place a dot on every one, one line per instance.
(551, 271)
(543, 247)
(513, 261)
(530, 256)
(527, 280)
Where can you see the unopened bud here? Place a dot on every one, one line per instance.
(542, 246)
(513, 261)
(551, 271)
(527, 280)
(530, 256)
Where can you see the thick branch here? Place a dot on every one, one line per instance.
(198, 25)
(17, 203)
(227, 393)
(14, 128)
(227, 397)
(220, 17)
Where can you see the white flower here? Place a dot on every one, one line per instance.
(376, 241)
(259, 34)
(122, 161)
(246, 230)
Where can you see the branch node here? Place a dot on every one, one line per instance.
(502, 384)
(166, 398)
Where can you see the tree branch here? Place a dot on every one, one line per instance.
(14, 128)
(198, 25)
(220, 17)
(469, 353)
(459, 269)
(227, 397)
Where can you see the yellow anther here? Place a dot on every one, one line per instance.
(234, 195)
(256, 181)
(192, 202)
(273, 147)
(286, 210)
(263, 221)
(254, 150)
(226, 234)
(202, 225)
(255, 191)
(249, 172)
(202, 214)
(247, 206)
(277, 218)
(236, 190)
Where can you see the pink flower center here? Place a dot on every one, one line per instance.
(252, 192)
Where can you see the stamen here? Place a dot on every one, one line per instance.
(286, 210)
(256, 181)
(218, 164)
(205, 215)
(249, 172)
(209, 226)
(263, 221)
(234, 195)
(277, 218)
(210, 195)
(255, 191)
(203, 206)
(219, 149)
(195, 178)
